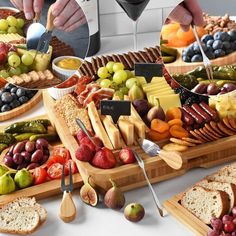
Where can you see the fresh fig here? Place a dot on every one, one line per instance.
(114, 197)
(23, 178)
(7, 184)
(3, 170)
(156, 112)
(134, 212)
(88, 194)
(136, 93)
(141, 106)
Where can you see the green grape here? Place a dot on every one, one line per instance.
(14, 60)
(4, 74)
(3, 25)
(119, 94)
(114, 86)
(109, 66)
(129, 73)
(118, 66)
(15, 71)
(103, 73)
(11, 53)
(119, 76)
(105, 83)
(27, 59)
(12, 21)
(124, 90)
(130, 82)
(20, 31)
(12, 30)
(20, 23)
(3, 32)
(24, 68)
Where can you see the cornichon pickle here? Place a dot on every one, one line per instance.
(22, 137)
(49, 137)
(27, 127)
(44, 122)
(7, 139)
(2, 147)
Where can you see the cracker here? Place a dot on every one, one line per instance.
(227, 123)
(216, 128)
(174, 147)
(210, 129)
(206, 134)
(182, 142)
(191, 140)
(232, 122)
(202, 135)
(224, 129)
(197, 136)
(210, 134)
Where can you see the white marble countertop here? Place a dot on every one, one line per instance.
(101, 221)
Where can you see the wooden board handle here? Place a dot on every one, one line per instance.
(67, 208)
(172, 159)
(50, 19)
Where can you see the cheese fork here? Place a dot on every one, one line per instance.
(67, 209)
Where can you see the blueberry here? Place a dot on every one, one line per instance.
(20, 92)
(15, 104)
(226, 45)
(5, 108)
(186, 58)
(217, 44)
(225, 37)
(210, 54)
(9, 86)
(196, 48)
(197, 58)
(6, 97)
(233, 45)
(210, 42)
(205, 38)
(1, 103)
(217, 35)
(232, 34)
(13, 90)
(14, 96)
(23, 99)
(189, 52)
(219, 53)
(228, 51)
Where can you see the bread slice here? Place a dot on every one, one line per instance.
(229, 188)
(229, 170)
(221, 177)
(23, 220)
(205, 204)
(29, 202)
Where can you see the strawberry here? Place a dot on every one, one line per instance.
(99, 143)
(86, 141)
(80, 135)
(104, 159)
(84, 153)
(126, 156)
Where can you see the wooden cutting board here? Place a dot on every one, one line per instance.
(23, 108)
(44, 190)
(180, 67)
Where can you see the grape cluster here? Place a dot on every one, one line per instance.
(12, 97)
(12, 25)
(224, 226)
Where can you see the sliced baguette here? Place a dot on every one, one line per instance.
(205, 204)
(19, 220)
(228, 188)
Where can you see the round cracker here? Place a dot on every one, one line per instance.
(227, 124)
(182, 142)
(210, 134)
(202, 135)
(197, 136)
(206, 135)
(215, 127)
(191, 140)
(208, 127)
(232, 122)
(224, 129)
(174, 147)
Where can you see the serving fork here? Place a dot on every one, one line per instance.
(206, 61)
(67, 209)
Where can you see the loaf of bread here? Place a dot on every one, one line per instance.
(205, 204)
(228, 188)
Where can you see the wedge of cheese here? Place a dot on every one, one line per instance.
(112, 132)
(127, 130)
(98, 126)
(139, 127)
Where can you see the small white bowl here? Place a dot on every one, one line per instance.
(63, 73)
(58, 93)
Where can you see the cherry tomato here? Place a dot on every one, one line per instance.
(60, 151)
(73, 167)
(55, 171)
(40, 175)
(55, 159)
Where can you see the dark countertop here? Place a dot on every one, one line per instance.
(77, 39)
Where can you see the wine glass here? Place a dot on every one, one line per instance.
(133, 9)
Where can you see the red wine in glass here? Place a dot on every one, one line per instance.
(133, 9)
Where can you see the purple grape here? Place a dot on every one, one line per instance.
(32, 166)
(217, 224)
(46, 152)
(226, 218)
(29, 146)
(8, 161)
(26, 155)
(43, 142)
(37, 156)
(39, 146)
(21, 166)
(44, 159)
(18, 159)
(10, 151)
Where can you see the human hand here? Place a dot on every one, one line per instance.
(29, 7)
(68, 15)
(186, 13)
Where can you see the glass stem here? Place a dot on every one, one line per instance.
(135, 27)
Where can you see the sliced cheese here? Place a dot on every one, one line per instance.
(139, 127)
(97, 125)
(160, 91)
(127, 131)
(158, 79)
(156, 86)
(112, 131)
(6, 38)
(153, 97)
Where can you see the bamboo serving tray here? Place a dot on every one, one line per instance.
(23, 108)
(130, 176)
(47, 189)
(184, 216)
(180, 67)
